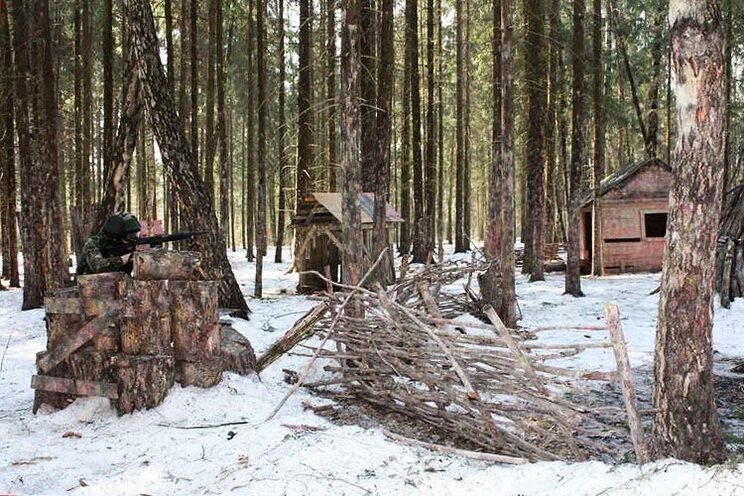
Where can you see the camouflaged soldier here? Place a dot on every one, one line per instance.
(119, 231)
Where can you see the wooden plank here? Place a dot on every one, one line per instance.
(77, 387)
(73, 341)
(626, 379)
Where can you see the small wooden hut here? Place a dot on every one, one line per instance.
(317, 225)
(633, 210)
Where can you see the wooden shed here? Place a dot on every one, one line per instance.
(633, 204)
(317, 225)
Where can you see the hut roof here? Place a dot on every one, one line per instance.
(619, 178)
(322, 204)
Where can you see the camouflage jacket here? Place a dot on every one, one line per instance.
(92, 260)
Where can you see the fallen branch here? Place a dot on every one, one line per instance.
(489, 457)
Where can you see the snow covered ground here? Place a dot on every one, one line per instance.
(149, 452)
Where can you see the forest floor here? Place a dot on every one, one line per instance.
(345, 453)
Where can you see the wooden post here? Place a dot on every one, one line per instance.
(626, 379)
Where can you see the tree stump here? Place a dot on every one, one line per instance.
(237, 353)
(144, 381)
(147, 330)
(197, 335)
(158, 264)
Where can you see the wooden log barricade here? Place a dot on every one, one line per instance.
(128, 339)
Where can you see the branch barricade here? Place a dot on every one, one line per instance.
(480, 385)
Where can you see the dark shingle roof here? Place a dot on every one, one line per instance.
(620, 177)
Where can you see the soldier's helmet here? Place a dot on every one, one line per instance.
(120, 224)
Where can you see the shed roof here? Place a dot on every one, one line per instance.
(331, 202)
(619, 178)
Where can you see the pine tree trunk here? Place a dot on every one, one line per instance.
(440, 130)
(430, 213)
(490, 282)
(250, 165)
(385, 77)
(8, 186)
(351, 184)
(368, 94)
(261, 163)
(194, 35)
(687, 425)
(573, 267)
(197, 211)
(209, 134)
(412, 47)
(509, 299)
(31, 175)
(599, 139)
(331, 92)
(108, 83)
(87, 105)
(282, 137)
(460, 243)
(305, 138)
(535, 67)
(59, 276)
(222, 128)
(405, 155)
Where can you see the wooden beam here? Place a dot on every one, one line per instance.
(73, 341)
(626, 379)
(77, 387)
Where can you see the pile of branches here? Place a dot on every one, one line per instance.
(481, 385)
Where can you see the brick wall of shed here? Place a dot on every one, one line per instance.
(625, 220)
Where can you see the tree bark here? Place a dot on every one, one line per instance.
(305, 138)
(599, 139)
(490, 283)
(209, 134)
(8, 186)
(351, 221)
(536, 70)
(460, 242)
(250, 161)
(224, 163)
(194, 35)
(197, 210)
(368, 94)
(331, 91)
(108, 82)
(404, 245)
(31, 175)
(430, 213)
(573, 267)
(412, 49)
(385, 78)
(509, 298)
(686, 425)
(261, 162)
(282, 137)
